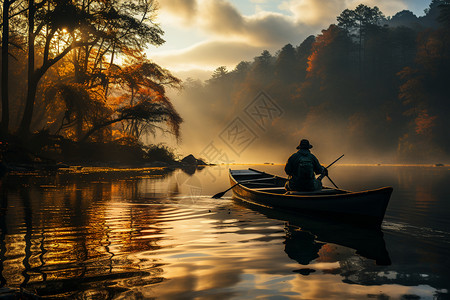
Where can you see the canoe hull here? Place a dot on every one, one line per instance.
(366, 208)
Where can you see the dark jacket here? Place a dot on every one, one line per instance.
(303, 179)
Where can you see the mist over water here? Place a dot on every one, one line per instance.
(163, 236)
(377, 93)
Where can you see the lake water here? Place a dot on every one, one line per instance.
(141, 234)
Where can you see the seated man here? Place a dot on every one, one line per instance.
(301, 167)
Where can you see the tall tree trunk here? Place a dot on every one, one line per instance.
(360, 50)
(4, 85)
(32, 82)
(79, 123)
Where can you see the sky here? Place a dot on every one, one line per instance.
(202, 35)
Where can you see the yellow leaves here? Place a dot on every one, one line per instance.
(117, 134)
(155, 96)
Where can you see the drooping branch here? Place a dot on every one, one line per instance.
(147, 111)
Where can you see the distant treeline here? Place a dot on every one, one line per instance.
(369, 86)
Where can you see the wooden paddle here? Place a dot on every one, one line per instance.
(334, 161)
(321, 177)
(332, 182)
(219, 195)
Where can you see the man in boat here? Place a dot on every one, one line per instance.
(301, 167)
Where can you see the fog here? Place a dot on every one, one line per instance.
(377, 94)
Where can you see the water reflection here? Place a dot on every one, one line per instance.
(64, 239)
(3, 231)
(157, 235)
(305, 237)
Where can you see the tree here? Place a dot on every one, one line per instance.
(5, 58)
(404, 18)
(285, 64)
(241, 70)
(358, 19)
(444, 16)
(145, 81)
(303, 52)
(93, 32)
(330, 57)
(424, 94)
(357, 22)
(53, 20)
(219, 74)
(5, 63)
(434, 13)
(81, 113)
(262, 67)
(150, 109)
(120, 31)
(72, 108)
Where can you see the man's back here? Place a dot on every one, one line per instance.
(301, 167)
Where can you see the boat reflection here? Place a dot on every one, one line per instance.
(305, 236)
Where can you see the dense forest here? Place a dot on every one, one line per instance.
(76, 71)
(373, 87)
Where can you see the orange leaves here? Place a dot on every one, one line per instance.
(432, 47)
(329, 52)
(411, 91)
(424, 122)
(311, 59)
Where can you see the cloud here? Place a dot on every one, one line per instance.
(322, 13)
(220, 19)
(208, 55)
(230, 36)
(274, 29)
(314, 12)
(194, 74)
(184, 10)
(181, 6)
(387, 7)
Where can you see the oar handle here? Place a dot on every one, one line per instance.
(334, 161)
(218, 195)
(322, 176)
(260, 179)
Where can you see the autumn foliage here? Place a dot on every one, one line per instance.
(78, 70)
(371, 87)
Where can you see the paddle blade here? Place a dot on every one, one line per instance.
(218, 195)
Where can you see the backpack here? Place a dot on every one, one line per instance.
(305, 167)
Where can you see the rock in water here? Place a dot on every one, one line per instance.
(189, 160)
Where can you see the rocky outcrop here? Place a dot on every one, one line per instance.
(190, 160)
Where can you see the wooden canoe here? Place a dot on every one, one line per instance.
(365, 208)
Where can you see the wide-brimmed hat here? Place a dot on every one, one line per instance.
(304, 144)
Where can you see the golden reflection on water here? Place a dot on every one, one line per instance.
(154, 236)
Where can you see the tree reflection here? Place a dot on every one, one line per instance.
(104, 236)
(3, 230)
(73, 236)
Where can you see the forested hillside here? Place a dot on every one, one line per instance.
(373, 87)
